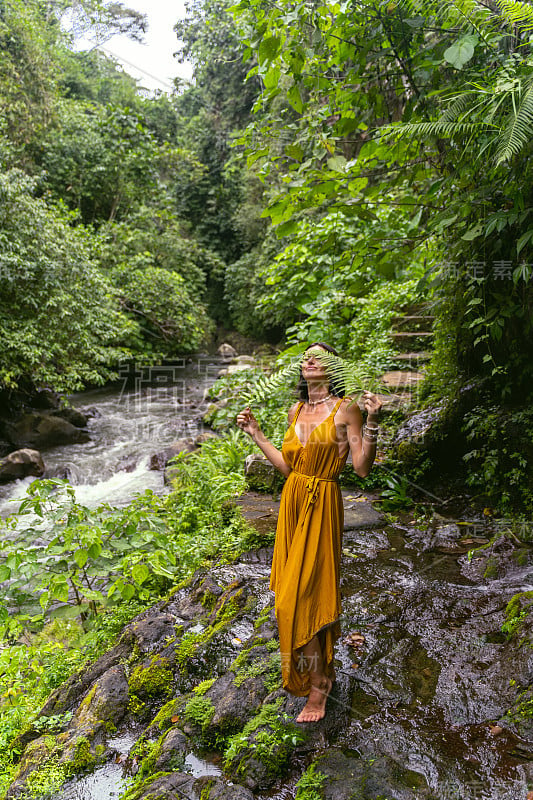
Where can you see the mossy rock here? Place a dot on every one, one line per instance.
(162, 786)
(259, 755)
(152, 680)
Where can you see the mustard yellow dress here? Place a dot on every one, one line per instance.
(307, 550)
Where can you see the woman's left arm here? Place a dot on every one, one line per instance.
(363, 443)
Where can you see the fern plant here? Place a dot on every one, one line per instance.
(501, 104)
(348, 376)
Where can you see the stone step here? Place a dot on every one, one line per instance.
(415, 308)
(402, 380)
(410, 334)
(414, 358)
(412, 322)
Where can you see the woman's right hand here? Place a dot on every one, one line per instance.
(247, 422)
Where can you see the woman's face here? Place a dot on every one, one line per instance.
(312, 368)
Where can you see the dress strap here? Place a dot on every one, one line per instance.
(300, 404)
(336, 408)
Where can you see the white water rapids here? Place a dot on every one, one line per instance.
(132, 421)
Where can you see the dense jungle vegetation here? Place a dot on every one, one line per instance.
(330, 164)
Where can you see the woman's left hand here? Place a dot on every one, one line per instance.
(372, 404)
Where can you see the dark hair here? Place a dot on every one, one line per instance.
(336, 386)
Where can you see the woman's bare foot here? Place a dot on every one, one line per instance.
(315, 708)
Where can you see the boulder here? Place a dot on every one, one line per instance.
(20, 464)
(260, 473)
(43, 430)
(204, 437)
(249, 360)
(226, 351)
(107, 701)
(174, 746)
(72, 415)
(219, 789)
(173, 785)
(158, 461)
(45, 399)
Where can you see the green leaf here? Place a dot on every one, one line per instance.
(127, 591)
(5, 573)
(337, 163)
(460, 53)
(81, 557)
(268, 49)
(140, 573)
(94, 550)
(286, 228)
(69, 612)
(271, 77)
(295, 98)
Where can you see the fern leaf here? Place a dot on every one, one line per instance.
(271, 384)
(342, 372)
(519, 130)
(440, 127)
(517, 13)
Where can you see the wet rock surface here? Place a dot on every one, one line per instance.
(432, 701)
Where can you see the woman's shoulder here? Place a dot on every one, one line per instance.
(349, 408)
(292, 410)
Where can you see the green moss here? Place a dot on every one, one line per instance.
(152, 681)
(188, 646)
(310, 785)
(516, 612)
(163, 718)
(81, 758)
(263, 617)
(49, 778)
(203, 687)
(141, 790)
(136, 706)
(206, 790)
(268, 666)
(199, 711)
(268, 738)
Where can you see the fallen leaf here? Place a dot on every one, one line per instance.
(361, 499)
(529, 796)
(488, 512)
(355, 666)
(495, 729)
(354, 639)
(175, 718)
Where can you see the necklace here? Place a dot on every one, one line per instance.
(316, 402)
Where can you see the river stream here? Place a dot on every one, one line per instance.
(130, 420)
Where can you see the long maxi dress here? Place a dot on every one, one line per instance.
(307, 550)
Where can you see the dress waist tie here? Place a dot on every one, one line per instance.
(313, 484)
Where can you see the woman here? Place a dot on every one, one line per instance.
(323, 428)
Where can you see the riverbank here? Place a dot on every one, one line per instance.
(432, 698)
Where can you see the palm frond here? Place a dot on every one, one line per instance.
(519, 130)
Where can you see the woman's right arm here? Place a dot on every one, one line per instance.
(248, 423)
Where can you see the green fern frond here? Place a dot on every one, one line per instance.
(340, 371)
(466, 14)
(271, 384)
(348, 374)
(439, 127)
(517, 13)
(519, 130)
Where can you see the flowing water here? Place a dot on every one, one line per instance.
(130, 420)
